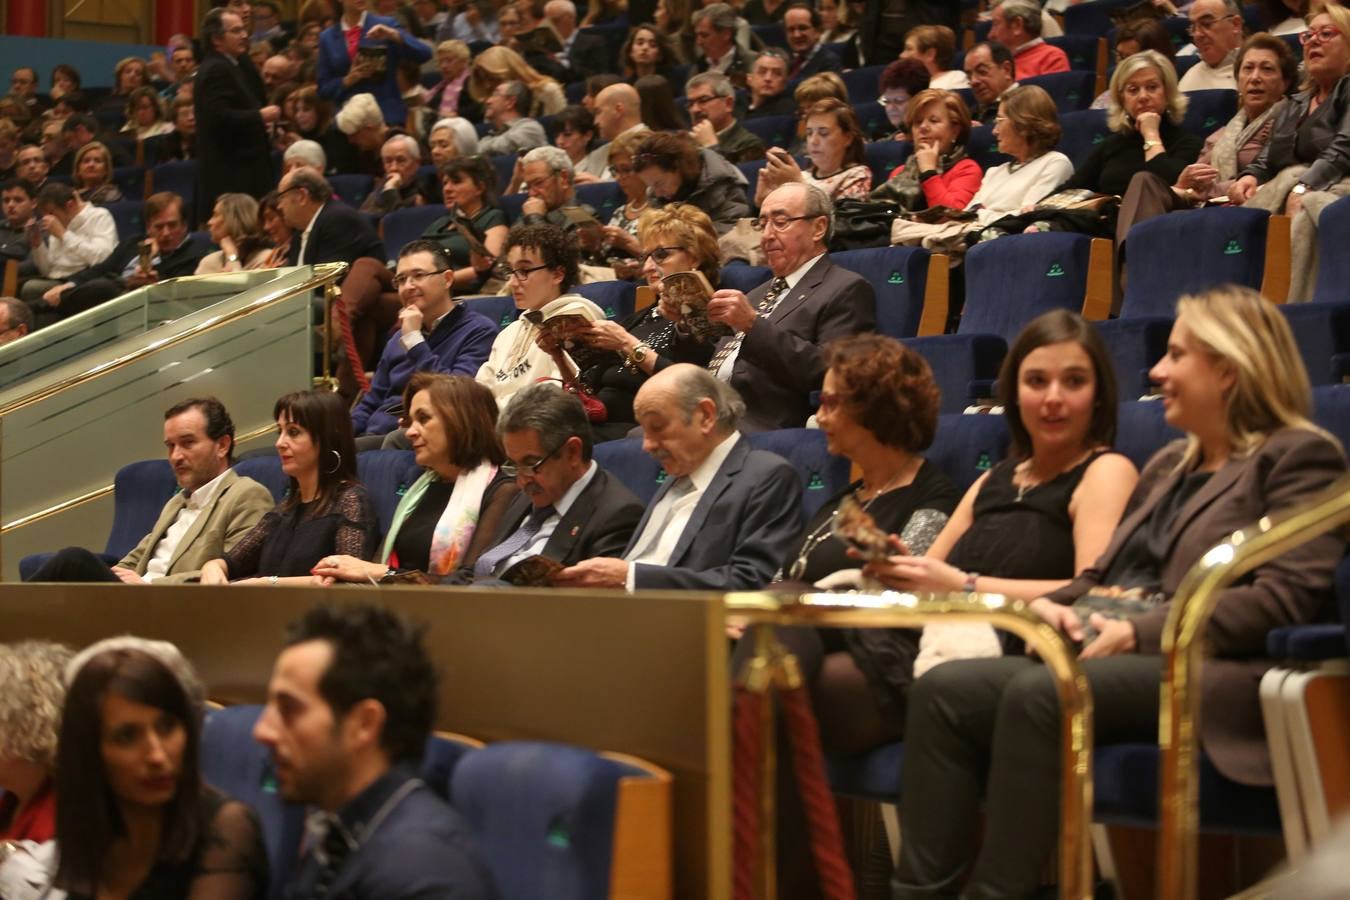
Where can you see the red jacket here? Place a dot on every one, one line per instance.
(954, 187)
(37, 822)
(1040, 59)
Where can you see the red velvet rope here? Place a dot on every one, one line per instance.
(748, 744)
(358, 368)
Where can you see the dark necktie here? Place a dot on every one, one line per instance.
(495, 556)
(732, 344)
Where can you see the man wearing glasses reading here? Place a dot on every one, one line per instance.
(1216, 29)
(435, 335)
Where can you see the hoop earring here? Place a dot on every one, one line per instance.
(337, 464)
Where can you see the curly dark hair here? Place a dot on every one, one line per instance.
(889, 389)
(476, 169)
(378, 654)
(557, 247)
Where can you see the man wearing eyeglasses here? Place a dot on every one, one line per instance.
(773, 359)
(712, 107)
(435, 335)
(1216, 29)
(568, 508)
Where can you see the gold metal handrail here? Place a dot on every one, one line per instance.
(324, 275)
(1183, 653)
(892, 609)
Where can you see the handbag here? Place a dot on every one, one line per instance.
(862, 224)
(595, 409)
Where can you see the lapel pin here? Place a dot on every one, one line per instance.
(575, 529)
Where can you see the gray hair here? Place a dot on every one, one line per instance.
(309, 151)
(161, 651)
(1025, 10)
(315, 185)
(720, 84)
(31, 703)
(721, 15)
(555, 414)
(466, 136)
(360, 111)
(409, 143)
(818, 203)
(19, 314)
(777, 53)
(696, 384)
(520, 95)
(556, 157)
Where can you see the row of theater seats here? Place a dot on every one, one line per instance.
(552, 820)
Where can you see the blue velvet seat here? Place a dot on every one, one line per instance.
(743, 278)
(774, 131)
(1141, 430)
(500, 309)
(131, 179)
(1081, 133)
(503, 164)
(266, 470)
(445, 751)
(602, 196)
(180, 177)
(965, 447)
(387, 475)
(884, 156)
(822, 475)
(627, 461)
(405, 225)
(751, 171)
(1093, 18)
(512, 205)
(983, 147)
(351, 189)
(864, 83)
(1322, 327)
(899, 275)
(1081, 49)
(1072, 91)
(1208, 111)
(128, 216)
(616, 298)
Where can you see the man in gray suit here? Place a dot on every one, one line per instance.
(727, 514)
(568, 508)
(774, 358)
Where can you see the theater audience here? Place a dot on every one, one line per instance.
(1016, 24)
(808, 93)
(546, 173)
(574, 133)
(274, 226)
(900, 82)
(435, 335)
(1304, 166)
(656, 103)
(166, 250)
(715, 27)
(400, 187)
(801, 24)
(311, 115)
(1234, 382)
(496, 65)
(767, 82)
(181, 143)
(304, 153)
(367, 687)
(540, 268)
(72, 237)
(345, 71)
(836, 22)
(33, 673)
(16, 200)
(92, 171)
(1145, 34)
(65, 78)
(834, 144)
(325, 510)
(676, 170)
(512, 130)
(16, 319)
(1216, 29)
(675, 238)
(712, 108)
(621, 234)
(726, 513)
(452, 138)
(568, 509)
(933, 45)
(938, 172)
(30, 165)
(648, 51)
(774, 356)
(362, 132)
(618, 112)
(582, 54)
(213, 508)
(468, 189)
(235, 228)
(145, 114)
(132, 813)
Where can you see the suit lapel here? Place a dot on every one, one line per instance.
(570, 526)
(721, 481)
(194, 531)
(803, 289)
(1217, 485)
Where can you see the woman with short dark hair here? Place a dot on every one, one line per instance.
(133, 818)
(469, 189)
(677, 170)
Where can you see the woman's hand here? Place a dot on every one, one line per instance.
(926, 155)
(916, 573)
(1242, 189)
(1062, 618)
(1197, 177)
(1147, 124)
(1114, 637)
(347, 568)
(780, 168)
(607, 335)
(215, 572)
(621, 240)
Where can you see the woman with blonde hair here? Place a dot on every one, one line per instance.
(235, 228)
(30, 715)
(498, 64)
(93, 169)
(1234, 382)
(675, 238)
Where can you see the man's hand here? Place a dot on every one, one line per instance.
(385, 33)
(362, 68)
(534, 207)
(1241, 190)
(270, 114)
(55, 227)
(1293, 204)
(393, 181)
(732, 308)
(53, 295)
(599, 572)
(141, 278)
(128, 576)
(410, 319)
(704, 134)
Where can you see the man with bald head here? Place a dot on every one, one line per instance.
(618, 110)
(276, 71)
(773, 359)
(1216, 29)
(726, 515)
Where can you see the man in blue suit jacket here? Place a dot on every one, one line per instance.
(727, 514)
(342, 73)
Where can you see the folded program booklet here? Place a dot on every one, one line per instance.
(690, 292)
(532, 571)
(562, 325)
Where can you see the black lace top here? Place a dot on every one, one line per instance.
(289, 541)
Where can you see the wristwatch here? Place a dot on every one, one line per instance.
(233, 257)
(1299, 189)
(1149, 145)
(635, 356)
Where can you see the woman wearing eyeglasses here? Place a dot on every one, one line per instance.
(675, 238)
(1306, 163)
(449, 515)
(621, 234)
(541, 268)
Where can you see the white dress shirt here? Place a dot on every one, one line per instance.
(670, 516)
(723, 372)
(197, 501)
(536, 546)
(89, 239)
(304, 236)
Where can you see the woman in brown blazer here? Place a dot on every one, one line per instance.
(1233, 380)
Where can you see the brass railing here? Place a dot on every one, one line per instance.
(905, 610)
(1183, 653)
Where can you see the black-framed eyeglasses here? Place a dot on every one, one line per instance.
(284, 191)
(699, 101)
(1208, 23)
(504, 271)
(657, 255)
(410, 277)
(514, 470)
(779, 221)
(1324, 35)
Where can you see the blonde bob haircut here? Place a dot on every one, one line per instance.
(1340, 17)
(1247, 335)
(819, 87)
(1116, 117)
(685, 226)
(33, 673)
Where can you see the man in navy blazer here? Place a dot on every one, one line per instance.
(727, 514)
(342, 73)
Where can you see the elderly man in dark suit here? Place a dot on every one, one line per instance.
(568, 508)
(773, 359)
(234, 153)
(726, 515)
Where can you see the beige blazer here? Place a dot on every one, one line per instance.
(238, 505)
